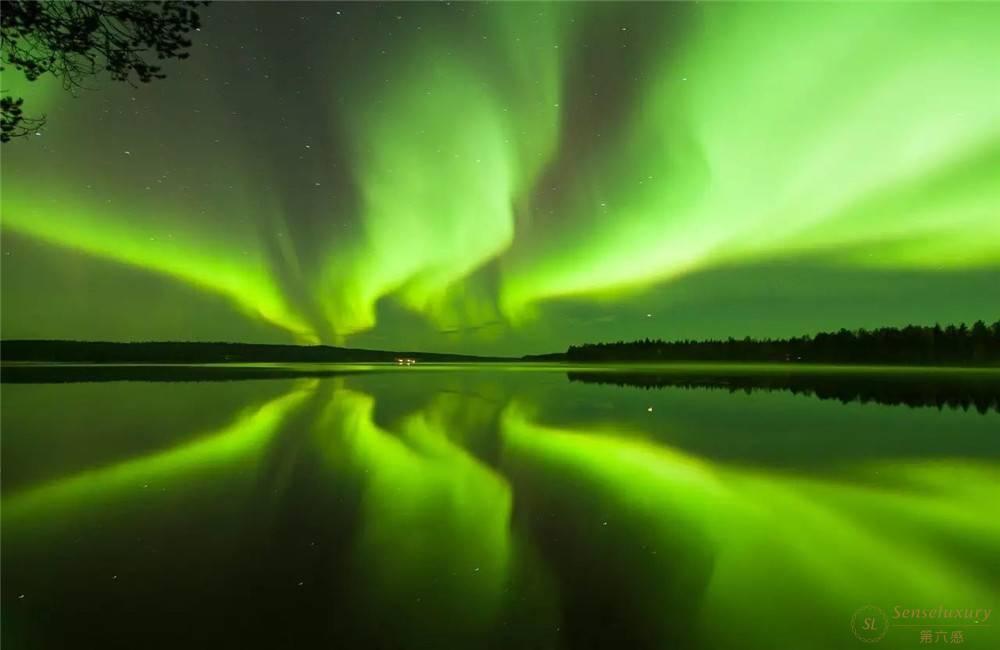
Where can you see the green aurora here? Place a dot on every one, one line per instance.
(511, 178)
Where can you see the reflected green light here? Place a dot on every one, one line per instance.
(430, 514)
(450, 506)
(236, 443)
(769, 537)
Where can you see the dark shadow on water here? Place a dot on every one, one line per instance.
(980, 391)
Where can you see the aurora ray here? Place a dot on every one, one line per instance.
(490, 177)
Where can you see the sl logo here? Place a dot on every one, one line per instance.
(869, 624)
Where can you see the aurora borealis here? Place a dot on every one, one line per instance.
(513, 178)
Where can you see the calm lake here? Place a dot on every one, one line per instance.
(544, 506)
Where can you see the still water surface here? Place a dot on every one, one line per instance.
(704, 507)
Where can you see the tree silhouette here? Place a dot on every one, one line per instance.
(912, 345)
(81, 39)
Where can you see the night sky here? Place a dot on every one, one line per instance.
(515, 178)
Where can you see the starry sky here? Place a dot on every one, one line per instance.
(514, 178)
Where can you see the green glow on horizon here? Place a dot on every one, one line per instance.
(243, 279)
(852, 136)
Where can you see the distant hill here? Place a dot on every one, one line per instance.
(551, 356)
(194, 352)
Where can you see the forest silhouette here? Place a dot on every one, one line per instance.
(960, 345)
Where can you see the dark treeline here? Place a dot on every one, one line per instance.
(192, 352)
(71, 373)
(978, 390)
(960, 345)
